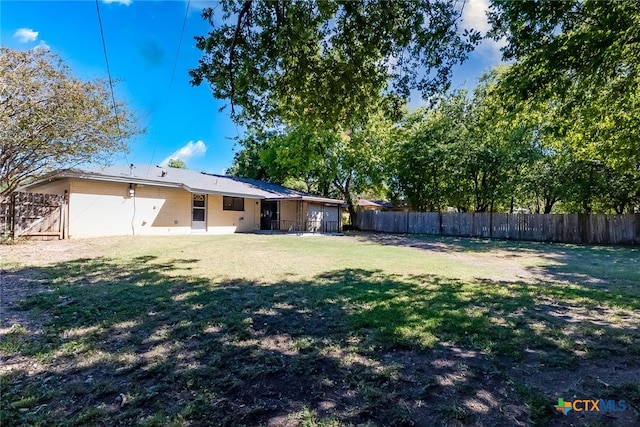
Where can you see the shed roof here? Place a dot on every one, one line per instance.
(368, 203)
(189, 180)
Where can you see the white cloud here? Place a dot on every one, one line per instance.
(25, 35)
(474, 16)
(189, 150)
(124, 2)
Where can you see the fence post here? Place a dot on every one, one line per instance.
(473, 225)
(583, 225)
(407, 228)
(491, 224)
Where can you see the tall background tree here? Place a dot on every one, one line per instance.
(177, 163)
(425, 160)
(467, 152)
(556, 131)
(310, 78)
(50, 119)
(327, 62)
(580, 60)
(332, 163)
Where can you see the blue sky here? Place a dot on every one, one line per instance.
(142, 44)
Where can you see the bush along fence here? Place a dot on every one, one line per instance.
(29, 215)
(566, 228)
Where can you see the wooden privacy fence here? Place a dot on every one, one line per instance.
(568, 228)
(32, 215)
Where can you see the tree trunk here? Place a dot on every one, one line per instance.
(353, 215)
(548, 205)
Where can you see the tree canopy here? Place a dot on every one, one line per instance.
(332, 163)
(177, 163)
(467, 152)
(557, 130)
(327, 62)
(558, 43)
(579, 62)
(50, 119)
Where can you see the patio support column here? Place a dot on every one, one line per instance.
(300, 226)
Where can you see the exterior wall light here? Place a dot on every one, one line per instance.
(132, 191)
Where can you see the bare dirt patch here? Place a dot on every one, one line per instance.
(508, 263)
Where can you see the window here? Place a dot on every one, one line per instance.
(232, 203)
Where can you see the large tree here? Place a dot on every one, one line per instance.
(332, 163)
(177, 163)
(426, 158)
(465, 152)
(327, 62)
(580, 60)
(51, 119)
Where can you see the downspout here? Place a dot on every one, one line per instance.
(133, 217)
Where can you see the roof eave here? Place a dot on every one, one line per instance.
(70, 173)
(307, 199)
(126, 180)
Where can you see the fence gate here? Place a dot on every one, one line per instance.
(33, 215)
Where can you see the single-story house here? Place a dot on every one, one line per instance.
(150, 200)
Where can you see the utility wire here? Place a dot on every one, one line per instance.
(106, 59)
(173, 73)
(175, 62)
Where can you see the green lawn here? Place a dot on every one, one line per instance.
(289, 330)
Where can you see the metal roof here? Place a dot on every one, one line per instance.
(192, 181)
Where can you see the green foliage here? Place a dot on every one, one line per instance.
(332, 163)
(327, 62)
(177, 163)
(502, 142)
(543, 183)
(579, 62)
(50, 119)
(247, 162)
(567, 45)
(425, 161)
(466, 153)
(495, 151)
(556, 131)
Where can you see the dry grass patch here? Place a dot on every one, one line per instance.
(285, 330)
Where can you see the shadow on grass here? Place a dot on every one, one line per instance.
(146, 343)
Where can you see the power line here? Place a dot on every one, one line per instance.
(173, 73)
(175, 62)
(106, 59)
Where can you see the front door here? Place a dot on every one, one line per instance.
(269, 215)
(199, 212)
